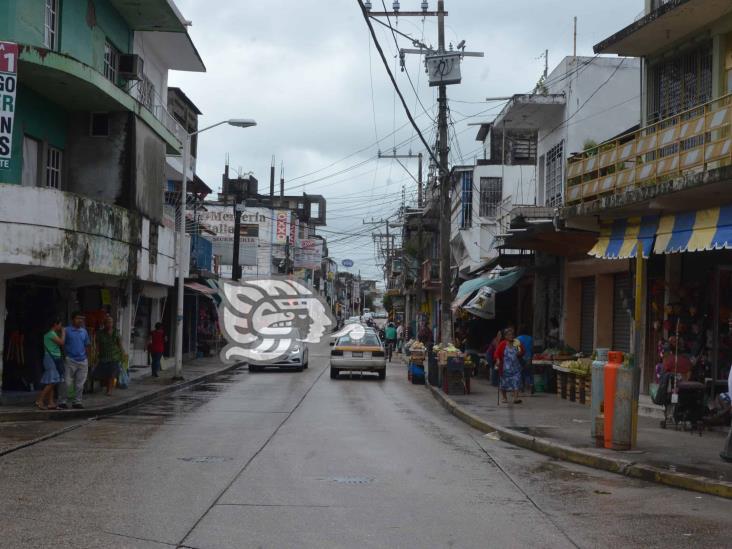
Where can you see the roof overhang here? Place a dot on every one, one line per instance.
(483, 131)
(531, 111)
(545, 238)
(151, 15)
(176, 50)
(664, 26)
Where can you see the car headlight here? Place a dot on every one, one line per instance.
(295, 350)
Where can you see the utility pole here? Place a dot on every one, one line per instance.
(574, 54)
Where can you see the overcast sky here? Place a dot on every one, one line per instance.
(305, 70)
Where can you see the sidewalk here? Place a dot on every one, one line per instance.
(143, 388)
(561, 429)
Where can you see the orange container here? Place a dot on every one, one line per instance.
(614, 363)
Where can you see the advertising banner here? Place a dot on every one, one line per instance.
(255, 228)
(8, 89)
(281, 232)
(309, 253)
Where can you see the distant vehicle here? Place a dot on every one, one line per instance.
(353, 320)
(296, 360)
(381, 314)
(358, 355)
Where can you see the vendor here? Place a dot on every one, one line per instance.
(508, 359)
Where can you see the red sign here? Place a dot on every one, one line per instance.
(283, 218)
(8, 57)
(8, 89)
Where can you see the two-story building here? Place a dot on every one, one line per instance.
(661, 196)
(82, 190)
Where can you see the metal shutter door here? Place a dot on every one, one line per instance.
(621, 317)
(587, 316)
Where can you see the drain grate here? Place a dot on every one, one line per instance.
(352, 480)
(205, 459)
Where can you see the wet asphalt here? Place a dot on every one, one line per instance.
(286, 459)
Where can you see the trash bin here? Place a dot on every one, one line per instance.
(598, 394)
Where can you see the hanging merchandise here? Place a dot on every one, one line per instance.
(483, 305)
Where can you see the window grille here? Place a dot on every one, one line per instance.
(51, 25)
(491, 194)
(554, 173)
(466, 210)
(53, 167)
(111, 62)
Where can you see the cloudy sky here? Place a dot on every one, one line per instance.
(308, 72)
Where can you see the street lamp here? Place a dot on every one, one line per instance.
(186, 152)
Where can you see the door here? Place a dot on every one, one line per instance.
(587, 316)
(621, 312)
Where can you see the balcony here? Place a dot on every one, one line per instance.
(431, 274)
(46, 231)
(665, 26)
(689, 146)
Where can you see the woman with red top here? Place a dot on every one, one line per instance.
(509, 365)
(156, 345)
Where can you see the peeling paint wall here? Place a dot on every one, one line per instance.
(99, 167)
(59, 230)
(149, 172)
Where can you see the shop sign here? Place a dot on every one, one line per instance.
(483, 305)
(8, 88)
(347, 263)
(282, 223)
(309, 253)
(254, 221)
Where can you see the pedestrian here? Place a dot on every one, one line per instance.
(391, 336)
(52, 365)
(156, 345)
(527, 342)
(508, 359)
(400, 337)
(109, 355)
(77, 345)
(490, 358)
(425, 334)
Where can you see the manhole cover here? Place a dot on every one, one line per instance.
(205, 459)
(352, 480)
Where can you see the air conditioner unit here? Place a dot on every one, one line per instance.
(130, 66)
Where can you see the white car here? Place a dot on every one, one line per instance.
(297, 358)
(358, 355)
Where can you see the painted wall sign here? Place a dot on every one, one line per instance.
(8, 89)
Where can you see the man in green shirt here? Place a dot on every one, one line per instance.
(391, 336)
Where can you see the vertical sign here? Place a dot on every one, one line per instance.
(281, 229)
(8, 87)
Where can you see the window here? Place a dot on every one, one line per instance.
(491, 194)
(680, 83)
(50, 37)
(554, 174)
(99, 124)
(32, 149)
(466, 209)
(111, 62)
(53, 167)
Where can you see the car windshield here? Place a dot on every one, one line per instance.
(368, 340)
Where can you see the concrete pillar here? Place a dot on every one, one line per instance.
(127, 306)
(571, 320)
(604, 311)
(3, 313)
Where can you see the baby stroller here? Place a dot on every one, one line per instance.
(683, 401)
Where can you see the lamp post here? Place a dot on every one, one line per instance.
(186, 152)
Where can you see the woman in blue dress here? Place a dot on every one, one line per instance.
(508, 362)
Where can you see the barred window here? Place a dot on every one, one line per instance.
(111, 62)
(50, 35)
(491, 194)
(554, 174)
(53, 167)
(466, 210)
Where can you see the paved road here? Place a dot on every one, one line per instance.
(297, 460)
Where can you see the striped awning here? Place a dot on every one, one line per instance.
(703, 230)
(620, 239)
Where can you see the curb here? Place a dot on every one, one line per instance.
(619, 466)
(45, 415)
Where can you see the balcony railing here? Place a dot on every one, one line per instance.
(693, 141)
(145, 94)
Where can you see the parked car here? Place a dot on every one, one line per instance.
(358, 355)
(297, 359)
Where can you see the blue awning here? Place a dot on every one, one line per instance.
(620, 239)
(703, 230)
(497, 281)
